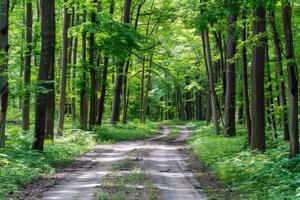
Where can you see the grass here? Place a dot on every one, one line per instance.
(252, 175)
(125, 132)
(175, 132)
(134, 185)
(19, 165)
(125, 164)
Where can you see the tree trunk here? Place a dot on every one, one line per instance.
(180, 104)
(282, 94)
(103, 91)
(115, 115)
(292, 78)
(188, 105)
(63, 76)
(229, 111)
(245, 79)
(211, 82)
(257, 78)
(4, 46)
(47, 60)
(27, 68)
(83, 91)
(93, 89)
(74, 66)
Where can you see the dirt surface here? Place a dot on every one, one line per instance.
(168, 167)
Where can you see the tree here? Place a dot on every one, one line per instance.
(115, 115)
(64, 67)
(229, 112)
(257, 79)
(4, 12)
(292, 78)
(27, 67)
(83, 91)
(46, 60)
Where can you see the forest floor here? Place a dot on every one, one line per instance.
(158, 168)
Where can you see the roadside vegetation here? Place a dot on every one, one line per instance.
(20, 165)
(252, 175)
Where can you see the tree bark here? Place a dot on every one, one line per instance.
(4, 46)
(142, 93)
(103, 91)
(64, 67)
(27, 68)
(211, 82)
(245, 80)
(257, 78)
(83, 91)
(47, 60)
(230, 104)
(282, 93)
(292, 78)
(93, 88)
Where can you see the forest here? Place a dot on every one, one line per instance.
(149, 99)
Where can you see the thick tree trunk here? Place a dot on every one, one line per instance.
(93, 89)
(257, 78)
(46, 62)
(282, 93)
(83, 91)
(63, 76)
(245, 80)
(229, 112)
(292, 78)
(211, 82)
(4, 11)
(27, 68)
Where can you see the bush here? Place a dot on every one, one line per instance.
(19, 165)
(270, 175)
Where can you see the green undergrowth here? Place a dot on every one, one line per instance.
(252, 175)
(125, 132)
(19, 165)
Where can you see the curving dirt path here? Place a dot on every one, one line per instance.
(162, 161)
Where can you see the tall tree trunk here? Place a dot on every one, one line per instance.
(229, 112)
(93, 89)
(46, 62)
(292, 78)
(115, 116)
(4, 11)
(245, 78)
(64, 67)
(74, 66)
(83, 91)
(211, 82)
(27, 68)
(282, 93)
(257, 78)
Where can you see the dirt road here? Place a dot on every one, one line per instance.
(161, 160)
